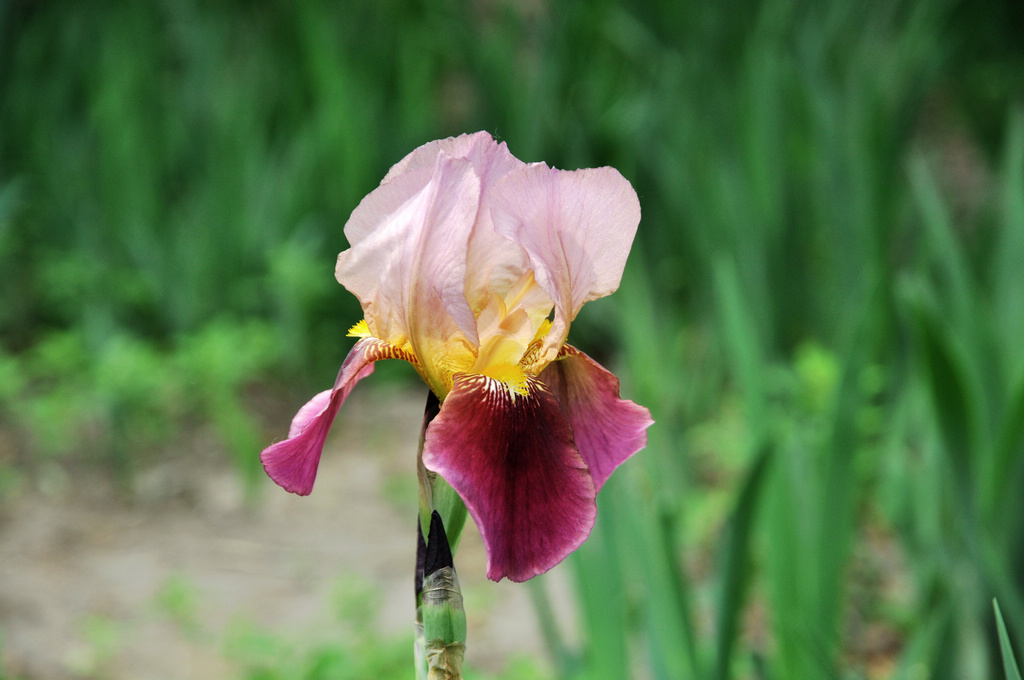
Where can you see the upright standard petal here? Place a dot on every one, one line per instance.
(474, 146)
(512, 459)
(608, 430)
(576, 227)
(494, 263)
(292, 463)
(407, 263)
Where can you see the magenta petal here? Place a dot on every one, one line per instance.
(292, 463)
(513, 461)
(313, 408)
(608, 430)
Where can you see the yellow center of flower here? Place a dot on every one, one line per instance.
(507, 327)
(511, 331)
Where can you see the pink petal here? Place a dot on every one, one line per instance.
(313, 408)
(494, 262)
(425, 258)
(577, 228)
(608, 430)
(479, 147)
(513, 461)
(407, 263)
(292, 463)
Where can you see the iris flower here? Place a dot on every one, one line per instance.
(471, 264)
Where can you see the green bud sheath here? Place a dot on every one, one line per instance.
(444, 625)
(443, 615)
(441, 609)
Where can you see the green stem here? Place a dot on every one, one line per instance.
(440, 643)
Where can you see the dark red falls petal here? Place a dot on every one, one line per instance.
(513, 460)
(608, 430)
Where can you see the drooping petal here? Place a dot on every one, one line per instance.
(608, 430)
(407, 263)
(292, 463)
(577, 228)
(512, 459)
(313, 408)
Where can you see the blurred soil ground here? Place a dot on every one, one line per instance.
(97, 585)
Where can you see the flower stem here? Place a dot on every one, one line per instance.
(434, 492)
(440, 617)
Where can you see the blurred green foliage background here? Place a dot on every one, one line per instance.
(824, 307)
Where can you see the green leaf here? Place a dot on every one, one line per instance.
(566, 663)
(448, 503)
(1005, 482)
(601, 591)
(955, 275)
(741, 339)
(951, 398)
(1009, 662)
(1009, 249)
(737, 561)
